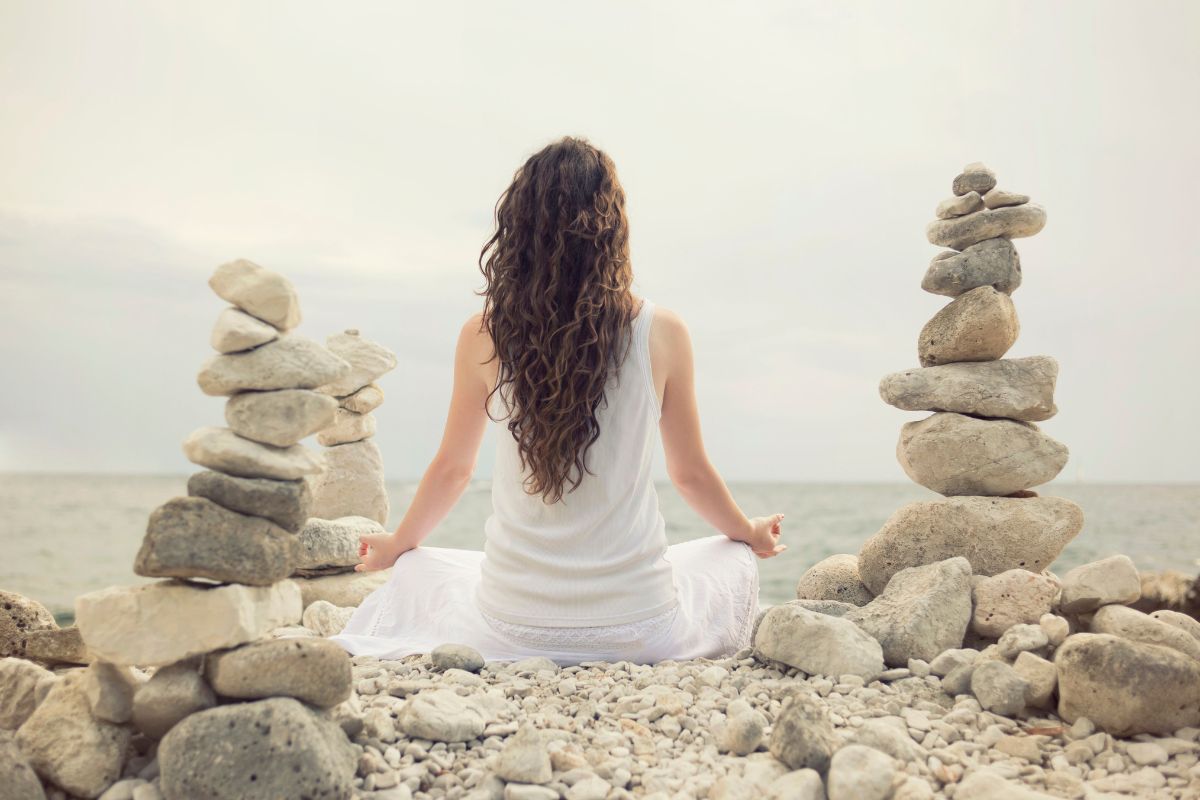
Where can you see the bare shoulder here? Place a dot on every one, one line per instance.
(668, 330)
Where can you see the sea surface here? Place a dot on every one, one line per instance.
(63, 535)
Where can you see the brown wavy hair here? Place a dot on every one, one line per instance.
(558, 305)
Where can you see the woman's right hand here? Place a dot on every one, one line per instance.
(764, 536)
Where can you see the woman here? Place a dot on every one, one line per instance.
(581, 372)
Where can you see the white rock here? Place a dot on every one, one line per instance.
(223, 450)
(347, 427)
(109, 689)
(1013, 597)
(365, 400)
(326, 619)
(257, 291)
(1057, 628)
(1181, 621)
(818, 644)
(279, 418)
(441, 715)
(524, 757)
(1129, 623)
(799, 784)
(984, 783)
(290, 362)
(173, 692)
(1111, 580)
(236, 331)
(368, 361)
(1020, 638)
(998, 198)
(352, 484)
(18, 690)
(958, 205)
(860, 773)
(998, 688)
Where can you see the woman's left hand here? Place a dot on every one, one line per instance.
(378, 551)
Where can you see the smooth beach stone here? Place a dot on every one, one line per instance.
(835, 578)
(109, 689)
(1019, 388)
(365, 400)
(975, 177)
(223, 450)
(998, 687)
(347, 589)
(1041, 677)
(352, 484)
(441, 715)
(994, 533)
(18, 781)
(524, 757)
(1111, 580)
(1014, 597)
(998, 198)
(290, 362)
(742, 733)
(325, 619)
(860, 773)
(368, 361)
(20, 615)
(174, 692)
(1127, 687)
(18, 690)
(69, 747)
(347, 427)
(193, 537)
(456, 656)
(267, 749)
(1183, 622)
(1013, 222)
(992, 262)
(55, 646)
(888, 735)
(979, 325)
(798, 784)
(280, 418)
(332, 542)
(236, 330)
(167, 621)
(954, 454)
(259, 292)
(286, 503)
(818, 644)
(983, 783)
(921, 612)
(802, 736)
(1129, 623)
(1021, 638)
(316, 671)
(959, 205)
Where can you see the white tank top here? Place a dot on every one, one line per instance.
(598, 555)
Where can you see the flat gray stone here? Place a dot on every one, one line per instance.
(1019, 388)
(172, 693)
(978, 325)
(223, 450)
(992, 262)
(998, 687)
(975, 177)
(286, 503)
(316, 671)
(959, 205)
(1010, 223)
(290, 362)
(279, 418)
(368, 361)
(236, 331)
(998, 198)
(324, 543)
(260, 292)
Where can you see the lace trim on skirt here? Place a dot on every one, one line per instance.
(585, 638)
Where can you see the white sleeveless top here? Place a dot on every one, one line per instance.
(597, 556)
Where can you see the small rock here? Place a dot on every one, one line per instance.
(1089, 586)
(289, 362)
(280, 418)
(992, 262)
(1019, 388)
(286, 503)
(325, 619)
(975, 177)
(19, 680)
(1041, 676)
(958, 205)
(327, 543)
(983, 783)
(835, 578)
(352, 484)
(441, 715)
(236, 331)
(347, 427)
(802, 736)
(365, 400)
(456, 656)
(265, 294)
(949, 660)
(316, 671)
(979, 325)
(742, 733)
(800, 784)
(1147, 753)
(524, 757)
(172, 693)
(886, 737)
(1181, 621)
(19, 615)
(816, 643)
(368, 361)
(1020, 638)
(860, 773)
(344, 590)
(1013, 597)
(960, 233)
(998, 198)
(109, 690)
(998, 688)
(1057, 629)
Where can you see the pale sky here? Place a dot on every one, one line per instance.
(781, 162)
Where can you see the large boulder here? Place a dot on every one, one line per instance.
(193, 537)
(160, 623)
(954, 454)
(236, 331)
(69, 747)
(1012, 222)
(1127, 687)
(352, 484)
(993, 262)
(173, 693)
(316, 671)
(835, 578)
(279, 418)
(1110, 580)
(368, 361)
(993, 533)
(290, 362)
(266, 749)
(19, 680)
(802, 736)
(286, 503)
(265, 294)
(1018, 388)
(1129, 623)
(20, 615)
(818, 644)
(921, 612)
(331, 543)
(979, 325)
(223, 450)
(1014, 597)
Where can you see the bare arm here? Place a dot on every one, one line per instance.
(688, 465)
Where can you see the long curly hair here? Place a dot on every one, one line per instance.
(558, 306)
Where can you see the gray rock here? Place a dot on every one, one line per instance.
(816, 643)
(860, 773)
(347, 427)
(979, 325)
(267, 749)
(975, 177)
(352, 484)
(802, 736)
(992, 262)
(456, 656)
(223, 450)
(1021, 638)
(1041, 676)
(1009, 223)
(949, 660)
(368, 361)
(1129, 623)
(193, 537)
(260, 292)
(958, 680)
(524, 757)
(325, 619)
(1019, 388)
(109, 689)
(18, 781)
(18, 690)
(958, 205)
(172, 693)
(954, 454)
(1015, 596)
(889, 737)
(290, 362)
(286, 503)
(921, 612)
(236, 331)
(280, 418)
(994, 533)
(998, 687)
(69, 747)
(835, 578)
(20, 615)
(316, 671)
(1126, 687)
(1111, 580)
(332, 542)
(365, 400)
(742, 733)
(441, 715)
(55, 646)
(998, 198)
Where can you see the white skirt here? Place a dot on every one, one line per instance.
(429, 600)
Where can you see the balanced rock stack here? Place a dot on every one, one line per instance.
(228, 710)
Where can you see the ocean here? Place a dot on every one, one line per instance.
(63, 535)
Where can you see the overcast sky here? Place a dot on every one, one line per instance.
(781, 162)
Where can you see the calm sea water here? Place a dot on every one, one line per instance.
(62, 535)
